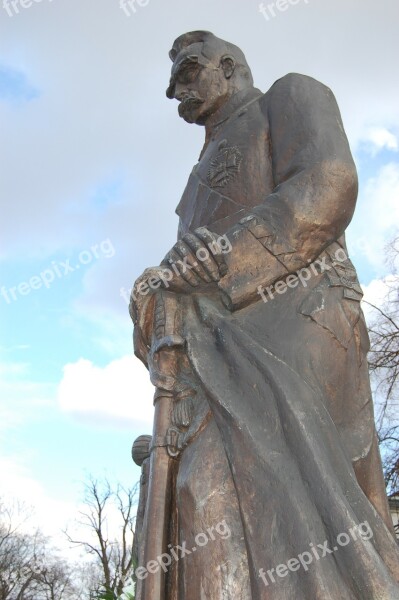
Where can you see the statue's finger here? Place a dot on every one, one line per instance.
(210, 239)
(190, 260)
(203, 255)
(175, 262)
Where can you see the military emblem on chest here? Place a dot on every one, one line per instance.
(224, 166)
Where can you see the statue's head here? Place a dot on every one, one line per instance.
(206, 72)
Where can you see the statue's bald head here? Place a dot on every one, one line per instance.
(227, 68)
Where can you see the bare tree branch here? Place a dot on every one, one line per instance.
(104, 505)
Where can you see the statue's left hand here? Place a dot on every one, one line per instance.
(197, 258)
(194, 261)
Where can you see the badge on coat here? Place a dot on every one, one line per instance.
(224, 166)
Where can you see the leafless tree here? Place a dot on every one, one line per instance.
(28, 569)
(110, 545)
(56, 580)
(384, 367)
(20, 551)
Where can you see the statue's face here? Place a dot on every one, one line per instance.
(201, 85)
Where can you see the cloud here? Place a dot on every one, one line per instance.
(119, 393)
(381, 138)
(23, 400)
(48, 513)
(376, 292)
(51, 515)
(377, 216)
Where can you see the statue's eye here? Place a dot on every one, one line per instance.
(188, 74)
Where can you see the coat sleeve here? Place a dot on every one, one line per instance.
(314, 195)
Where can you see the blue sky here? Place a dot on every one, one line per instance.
(93, 162)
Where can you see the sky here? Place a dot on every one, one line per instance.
(94, 160)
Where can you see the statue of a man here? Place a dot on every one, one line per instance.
(254, 337)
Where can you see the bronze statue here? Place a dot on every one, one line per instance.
(265, 479)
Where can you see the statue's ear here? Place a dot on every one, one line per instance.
(228, 64)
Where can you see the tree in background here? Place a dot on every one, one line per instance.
(108, 516)
(30, 568)
(384, 366)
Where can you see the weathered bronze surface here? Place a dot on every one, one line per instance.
(263, 455)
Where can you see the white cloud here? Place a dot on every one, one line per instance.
(50, 514)
(377, 217)
(376, 293)
(119, 393)
(381, 138)
(23, 399)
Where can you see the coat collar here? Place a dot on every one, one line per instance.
(236, 103)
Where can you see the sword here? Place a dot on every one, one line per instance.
(163, 367)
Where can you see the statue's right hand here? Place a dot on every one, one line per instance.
(152, 280)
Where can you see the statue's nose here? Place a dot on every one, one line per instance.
(170, 92)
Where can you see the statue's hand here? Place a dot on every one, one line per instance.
(152, 280)
(197, 258)
(158, 278)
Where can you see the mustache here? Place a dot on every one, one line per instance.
(188, 103)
